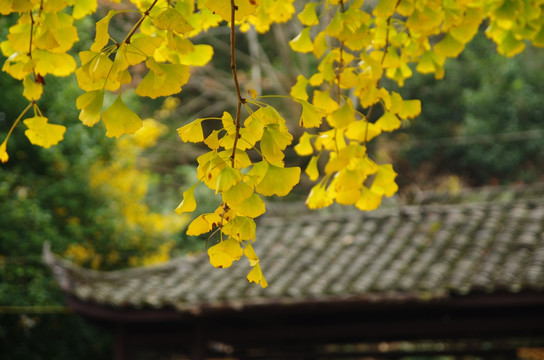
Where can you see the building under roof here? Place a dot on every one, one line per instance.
(448, 275)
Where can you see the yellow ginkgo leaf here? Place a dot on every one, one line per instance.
(199, 56)
(449, 46)
(323, 100)
(90, 104)
(227, 178)
(119, 119)
(240, 228)
(276, 180)
(368, 200)
(188, 204)
(320, 47)
(43, 134)
(342, 116)
(311, 168)
(32, 89)
(302, 42)
(4, 157)
(171, 19)
(298, 91)
(192, 132)
(308, 16)
(362, 130)
(52, 63)
(237, 193)
(410, 109)
(223, 9)
(253, 206)
(273, 142)
(304, 146)
(83, 8)
(203, 224)
(250, 254)
(256, 276)
(384, 182)
(223, 254)
(212, 140)
(388, 122)
(162, 79)
(319, 197)
(311, 116)
(102, 36)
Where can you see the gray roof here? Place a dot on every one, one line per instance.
(491, 241)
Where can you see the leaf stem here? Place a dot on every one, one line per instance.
(240, 99)
(17, 121)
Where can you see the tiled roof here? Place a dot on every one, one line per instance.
(487, 242)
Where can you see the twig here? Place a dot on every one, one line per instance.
(240, 99)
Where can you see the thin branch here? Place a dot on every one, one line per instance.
(240, 99)
(137, 25)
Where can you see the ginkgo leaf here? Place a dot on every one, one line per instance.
(227, 178)
(342, 116)
(162, 79)
(253, 206)
(223, 254)
(388, 122)
(237, 193)
(222, 8)
(241, 228)
(449, 46)
(250, 254)
(323, 100)
(119, 119)
(273, 142)
(384, 182)
(256, 276)
(320, 47)
(298, 91)
(319, 197)
(368, 200)
(52, 63)
(102, 36)
(203, 224)
(192, 132)
(32, 89)
(308, 16)
(90, 104)
(311, 168)
(302, 42)
(171, 19)
(200, 56)
(188, 204)
(362, 130)
(4, 157)
(212, 140)
(275, 180)
(304, 146)
(311, 116)
(40, 132)
(83, 8)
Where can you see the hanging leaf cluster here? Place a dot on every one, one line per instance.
(355, 44)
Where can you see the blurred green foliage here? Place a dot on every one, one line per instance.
(483, 121)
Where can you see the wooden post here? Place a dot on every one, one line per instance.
(198, 348)
(121, 348)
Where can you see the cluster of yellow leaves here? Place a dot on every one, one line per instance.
(228, 170)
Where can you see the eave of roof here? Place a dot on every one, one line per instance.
(402, 255)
